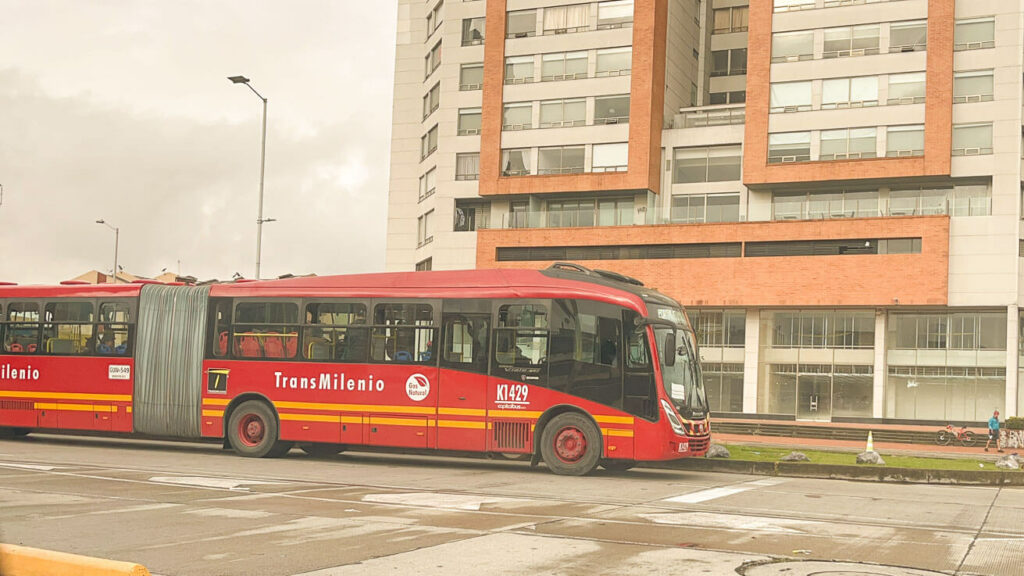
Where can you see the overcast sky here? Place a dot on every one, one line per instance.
(121, 110)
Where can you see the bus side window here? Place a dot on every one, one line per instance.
(68, 329)
(334, 332)
(639, 397)
(403, 334)
(114, 333)
(220, 323)
(265, 329)
(21, 330)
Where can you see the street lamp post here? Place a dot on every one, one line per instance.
(117, 235)
(263, 159)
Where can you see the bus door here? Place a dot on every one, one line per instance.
(519, 374)
(462, 394)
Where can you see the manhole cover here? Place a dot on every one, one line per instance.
(819, 568)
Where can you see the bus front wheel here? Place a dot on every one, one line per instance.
(571, 444)
(252, 431)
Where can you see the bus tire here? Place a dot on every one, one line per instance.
(571, 444)
(617, 465)
(252, 431)
(322, 450)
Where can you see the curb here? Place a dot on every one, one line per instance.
(23, 561)
(842, 472)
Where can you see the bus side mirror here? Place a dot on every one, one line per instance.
(669, 351)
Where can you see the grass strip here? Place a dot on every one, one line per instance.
(770, 454)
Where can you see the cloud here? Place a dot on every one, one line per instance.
(182, 184)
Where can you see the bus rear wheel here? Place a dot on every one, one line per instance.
(571, 444)
(253, 431)
(321, 450)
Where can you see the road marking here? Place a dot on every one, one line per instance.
(434, 500)
(28, 466)
(713, 493)
(203, 482)
(736, 522)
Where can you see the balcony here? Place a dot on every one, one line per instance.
(705, 116)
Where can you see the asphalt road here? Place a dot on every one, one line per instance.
(184, 509)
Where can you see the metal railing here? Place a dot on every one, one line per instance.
(705, 116)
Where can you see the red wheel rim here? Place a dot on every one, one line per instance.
(251, 430)
(570, 444)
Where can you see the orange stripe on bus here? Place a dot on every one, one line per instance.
(65, 396)
(617, 432)
(512, 414)
(424, 410)
(461, 424)
(214, 413)
(75, 407)
(399, 421)
(461, 412)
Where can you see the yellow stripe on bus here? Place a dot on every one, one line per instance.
(65, 396)
(424, 410)
(216, 401)
(398, 421)
(461, 424)
(614, 419)
(617, 432)
(461, 412)
(512, 414)
(312, 417)
(214, 413)
(75, 407)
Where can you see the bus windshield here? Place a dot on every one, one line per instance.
(682, 380)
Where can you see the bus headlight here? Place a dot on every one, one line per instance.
(677, 425)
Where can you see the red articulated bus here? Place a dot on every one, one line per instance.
(572, 366)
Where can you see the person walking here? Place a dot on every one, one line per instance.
(993, 431)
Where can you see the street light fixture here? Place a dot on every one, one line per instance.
(117, 234)
(263, 158)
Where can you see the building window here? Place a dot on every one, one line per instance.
(918, 201)
(518, 214)
(826, 329)
(706, 164)
(432, 60)
(434, 19)
(724, 386)
(517, 116)
(729, 62)
(973, 86)
(425, 265)
(733, 19)
(428, 143)
(570, 213)
(971, 200)
(848, 144)
(467, 166)
(563, 66)
(904, 140)
(737, 97)
(424, 229)
(611, 109)
(790, 97)
(699, 208)
(614, 61)
(614, 14)
(428, 183)
(719, 328)
(907, 88)
(610, 157)
(827, 204)
(787, 5)
(792, 46)
(560, 160)
(908, 36)
(789, 147)
(615, 212)
(515, 162)
(431, 100)
(471, 77)
(471, 215)
(564, 19)
(521, 24)
(849, 92)
(473, 31)
(963, 198)
(518, 69)
(563, 113)
(972, 139)
(469, 121)
(974, 34)
(950, 331)
(851, 41)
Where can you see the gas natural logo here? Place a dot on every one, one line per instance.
(417, 387)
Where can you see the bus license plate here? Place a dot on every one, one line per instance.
(684, 447)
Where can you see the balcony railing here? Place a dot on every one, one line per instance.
(711, 116)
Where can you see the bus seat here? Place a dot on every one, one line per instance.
(403, 356)
(121, 350)
(222, 343)
(16, 348)
(31, 348)
(291, 344)
(318, 350)
(248, 347)
(272, 346)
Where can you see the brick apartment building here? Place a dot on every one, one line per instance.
(831, 187)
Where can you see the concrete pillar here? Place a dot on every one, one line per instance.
(878, 396)
(1012, 346)
(751, 354)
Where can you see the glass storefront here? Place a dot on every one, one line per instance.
(724, 386)
(721, 335)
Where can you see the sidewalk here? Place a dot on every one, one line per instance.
(922, 450)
